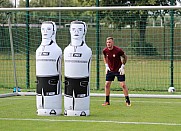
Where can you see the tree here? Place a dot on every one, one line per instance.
(120, 18)
(64, 17)
(6, 4)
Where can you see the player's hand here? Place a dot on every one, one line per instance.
(107, 68)
(122, 69)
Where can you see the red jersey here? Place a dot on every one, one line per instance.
(113, 58)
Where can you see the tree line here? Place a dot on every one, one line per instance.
(134, 18)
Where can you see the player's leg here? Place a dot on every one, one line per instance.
(107, 88)
(124, 87)
(121, 79)
(107, 92)
(125, 92)
(109, 79)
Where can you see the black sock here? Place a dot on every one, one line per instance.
(107, 98)
(127, 99)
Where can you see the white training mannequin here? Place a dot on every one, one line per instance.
(77, 63)
(78, 30)
(48, 72)
(48, 31)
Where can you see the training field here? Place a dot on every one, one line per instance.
(18, 113)
(150, 37)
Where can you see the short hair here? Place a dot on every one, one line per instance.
(110, 38)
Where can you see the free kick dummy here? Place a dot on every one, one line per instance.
(77, 62)
(48, 72)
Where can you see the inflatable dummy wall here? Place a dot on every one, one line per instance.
(48, 72)
(77, 62)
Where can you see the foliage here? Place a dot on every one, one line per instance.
(6, 4)
(147, 49)
(117, 18)
(138, 17)
(64, 17)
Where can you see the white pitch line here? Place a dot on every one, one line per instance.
(93, 121)
(134, 101)
(99, 95)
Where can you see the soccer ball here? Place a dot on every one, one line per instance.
(171, 89)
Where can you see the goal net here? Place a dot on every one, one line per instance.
(150, 37)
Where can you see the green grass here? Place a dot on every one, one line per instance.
(150, 73)
(147, 114)
(141, 74)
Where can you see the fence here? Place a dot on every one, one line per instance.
(151, 44)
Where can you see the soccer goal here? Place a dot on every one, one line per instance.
(150, 36)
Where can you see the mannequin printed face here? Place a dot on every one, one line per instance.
(47, 30)
(77, 31)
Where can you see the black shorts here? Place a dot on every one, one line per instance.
(111, 75)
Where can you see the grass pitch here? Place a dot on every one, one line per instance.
(146, 114)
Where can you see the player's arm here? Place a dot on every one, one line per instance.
(104, 58)
(124, 59)
(106, 63)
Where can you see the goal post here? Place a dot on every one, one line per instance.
(149, 47)
(92, 8)
(12, 52)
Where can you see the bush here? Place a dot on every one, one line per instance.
(144, 49)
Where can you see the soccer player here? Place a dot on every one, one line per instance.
(115, 60)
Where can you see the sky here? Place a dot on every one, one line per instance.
(17, 2)
(178, 3)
